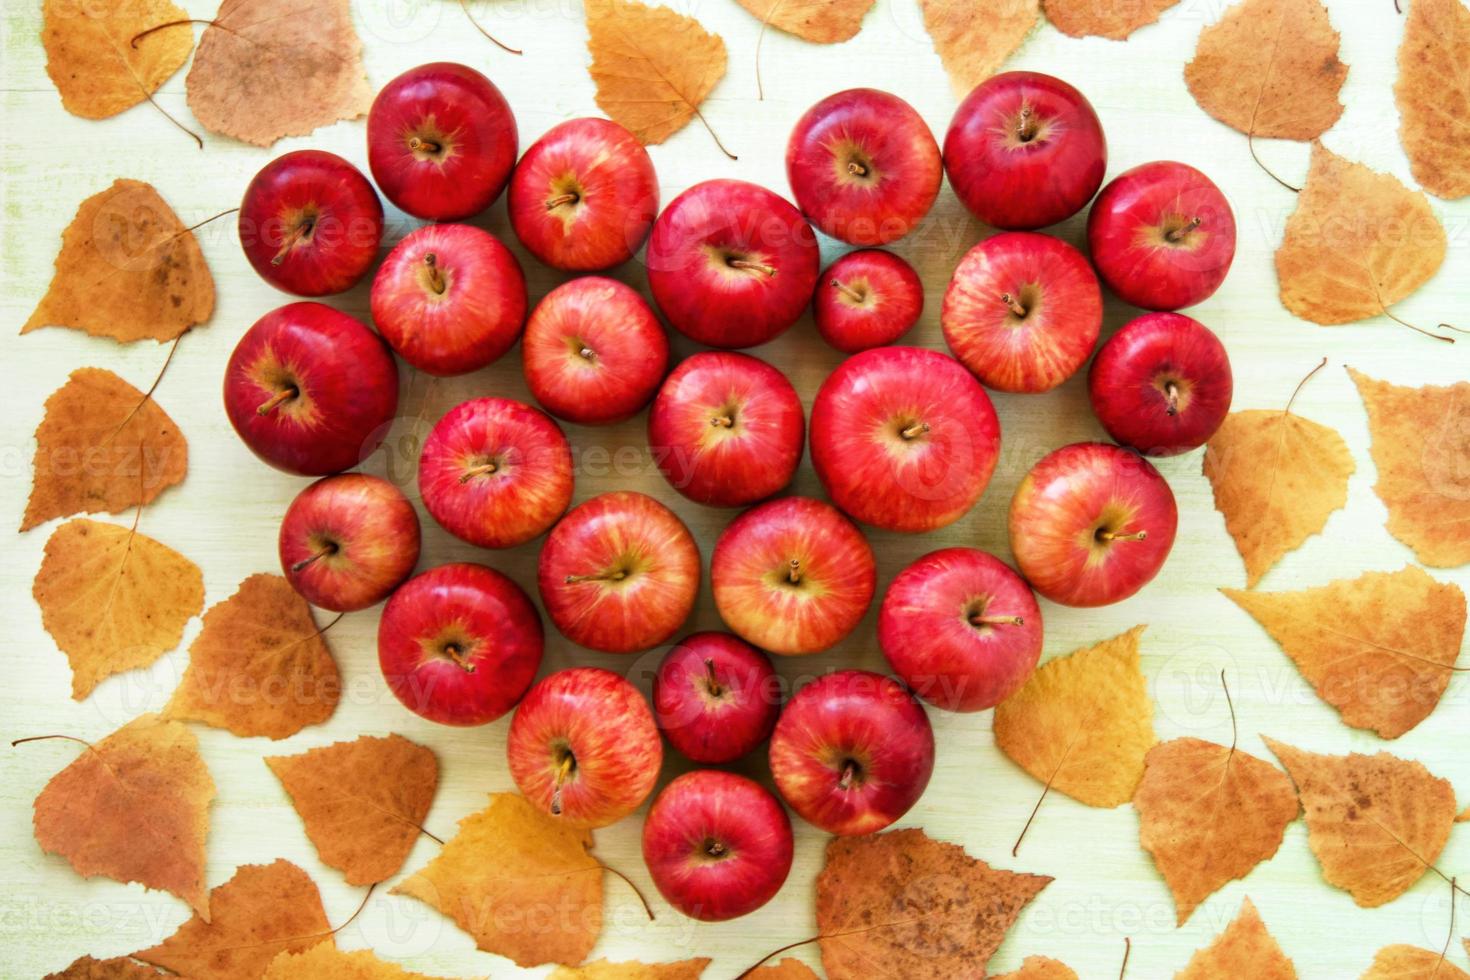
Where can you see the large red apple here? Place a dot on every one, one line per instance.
(717, 845)
(865, 299)
(792, 575)
(311, 390)
(459, 644)
(903, 438)
(852, 752)
(583, 196)
(715, 697)
(1091, 524)
(1022, 312)
(441, 141)
(347, 541)
(495, 472)
(583, 747)
(726, 429)
(731, 264)
(619, 573)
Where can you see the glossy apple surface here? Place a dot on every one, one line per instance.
(731, 264)
(310, 390)
(715, 697)
(583, 196)
(619, 573)
(903, 438)
(441, 141)
(459, 644)
(865, 299)
(583, 747)
(1091, 524)
(852, 752)
(347, 541)
(726, 429)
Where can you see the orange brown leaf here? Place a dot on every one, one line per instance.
(325, 961)
(117, 968)
(787, 969)
(1040, 968)
(1084, 18)
(1412, 963)
(94, 64)
(604, 970)
(1244, 949)
(975, 37)
(1433, 94)
(818, 21)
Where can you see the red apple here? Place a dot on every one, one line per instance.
(347, 541)
(1162, 236)
(731, 264)
(792, 575)
(310, 223)
(584, 196)
(726, 429)
(715, 697)
(961, 629)
(867, 299)
(449, 299)
(583, 747)
(310, 390)
(1022, 312)
(441, 141)
(1092, 524)
(1162, 384)
(459, 644)
(1025, 150)
(496, 472)
(863, 166)
(594, 352)
(619, 573)
(717, 845)
(852, 752)
(904, 439)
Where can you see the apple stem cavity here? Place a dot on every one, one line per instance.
(748, 265)
(856, 169)
(326, 550)
(1171, 398)
(850, 772)
(484, 469)
(915, 430)
(552, 203)
(564, 770)
(1014, 305)
(436, 275)
(277, 400)
(856, 295)
(725, 421)
(1176, 235)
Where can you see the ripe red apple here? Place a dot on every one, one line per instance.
(310, 223)
(961, 629)
(792, 575)
(310, 390)
(459, 644)
(1022, 312)
(731, 264)
(583, 196)
(347, 541)
(726, 429)
(495, 472)
(583, 747)
(904, 439)
(863, 166)
(1091, 524)
(852, 752)
(619, 573)
(1162, 236)
(1162, 384)
(594, 352)
(867, 299)
(1025, 150)
(441, 141)
(717, 845)
(449, 299)
(715, 697)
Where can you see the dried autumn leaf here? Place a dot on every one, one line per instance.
(1040, 968)
(1421, 447)
(259, 666)
(1379, 648)
(133, 807)
(261, 911)
(1357, 243)
(901, 904)
(118, 968)
(1083, 18)
(128, 269)
(325, 961)
(363, 802)
(1433, 93)
(787, 969)
(604, 970)
(102, 445)
(1244, 949)
(1376, 823)
(508, 861)
(818, 21)
(975, 37)
(1464, 817)
(94, 64)
(1412, 963)
(266, 69)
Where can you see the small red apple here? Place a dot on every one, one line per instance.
(715, 697)
(347, 541)
(867, 299)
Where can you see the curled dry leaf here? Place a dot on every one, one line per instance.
(1412, 963)
(1379, 648)
(818, 21)
(1083, 18)
(1421, 447)
(133, 807)
(118, 968)
(266, 69)
(1433, 93)
(901, 904)
(259, 666)
(94, 65)
(102, 445)
(1040, 968)
(975, 37)
(128, 269)
(1376, 823)
(604, 970)
(1244, 949)
(325, 961)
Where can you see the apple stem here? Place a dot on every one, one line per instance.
(328, 549)
(752, 266)
(979, 619)
(563, 772)
(277, 400)
(722, 422)
(856, 169)
(419, 144)
(715, 688)
(1107, 536)
(484, 469)
(587, 353)
(616, 575)
(1171, 392)
(1013, 304)
(915, 430)
(793, 572)
(715, 848)
(302, 230)
(849, 773)
(436, 275)
(848, 291)
(555, 202)
(1026, 128)
(1176, 235)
